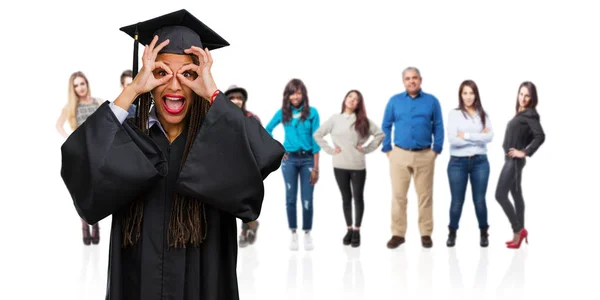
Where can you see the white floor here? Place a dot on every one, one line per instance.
(44, 258)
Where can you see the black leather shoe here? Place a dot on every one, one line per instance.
(348, 237)
(355, 238)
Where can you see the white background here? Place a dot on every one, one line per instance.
(333, 47)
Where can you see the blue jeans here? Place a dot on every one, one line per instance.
(460, 170)
(298, 165)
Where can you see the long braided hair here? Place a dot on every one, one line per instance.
(188, 217)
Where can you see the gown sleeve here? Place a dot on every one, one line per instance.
(229, 159)
(106, 164)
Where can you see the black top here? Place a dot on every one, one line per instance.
(106, 165)
(524, 132)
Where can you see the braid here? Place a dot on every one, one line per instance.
(188, 217)
(132, 220)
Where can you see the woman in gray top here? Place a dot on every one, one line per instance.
(80, 106)
(349, 131)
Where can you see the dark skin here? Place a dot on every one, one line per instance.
(296, 100)
(157, 76)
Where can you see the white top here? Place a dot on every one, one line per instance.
(475, 141)
(343, 135)
(122, 114)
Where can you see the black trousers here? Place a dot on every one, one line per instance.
(510, 181)
(352, 183)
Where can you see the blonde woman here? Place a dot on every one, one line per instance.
(80, 105)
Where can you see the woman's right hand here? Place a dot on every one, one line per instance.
(337, 150)
(145, 81)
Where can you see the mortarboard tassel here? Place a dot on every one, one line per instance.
(134, 70)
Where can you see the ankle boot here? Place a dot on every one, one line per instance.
(87, 239)
(95, 234)
(451, 238)
(484, 242)
(348, 237)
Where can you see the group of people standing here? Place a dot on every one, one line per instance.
(418, 138)
(415, 117)
(175, 161)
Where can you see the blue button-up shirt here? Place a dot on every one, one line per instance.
(415, 121)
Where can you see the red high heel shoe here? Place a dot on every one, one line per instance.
(517, 245)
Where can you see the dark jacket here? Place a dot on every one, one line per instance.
(524, 132)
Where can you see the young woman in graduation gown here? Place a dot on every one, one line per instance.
(174, 178)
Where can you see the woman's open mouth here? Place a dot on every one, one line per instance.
(174, 104)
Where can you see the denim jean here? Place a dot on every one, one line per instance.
(298, 166)
(460, 170)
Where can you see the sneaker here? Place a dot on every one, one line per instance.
(294, 242)
(243, 241)
(308, 242)
(252, 234)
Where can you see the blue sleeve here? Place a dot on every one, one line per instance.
(131, 111)
(274, 122)
(386, 126)
(316, 122)
(438, 127)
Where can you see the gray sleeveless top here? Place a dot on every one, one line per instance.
(85, 110)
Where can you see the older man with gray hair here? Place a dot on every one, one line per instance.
(418, 138)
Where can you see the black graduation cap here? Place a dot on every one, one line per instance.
(181, 28)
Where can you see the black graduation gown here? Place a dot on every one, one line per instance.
(105, 165)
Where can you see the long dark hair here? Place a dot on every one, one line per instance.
(476, 103)
(188, 218)
(244, 99)
(533, 96)
(290, 88)
(361, 125)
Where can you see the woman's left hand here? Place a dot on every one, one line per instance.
(512, 152)
(359, 147)
(314, 177)
(203, 84)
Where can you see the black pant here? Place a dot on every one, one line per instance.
(510, 181)
(351, 182)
